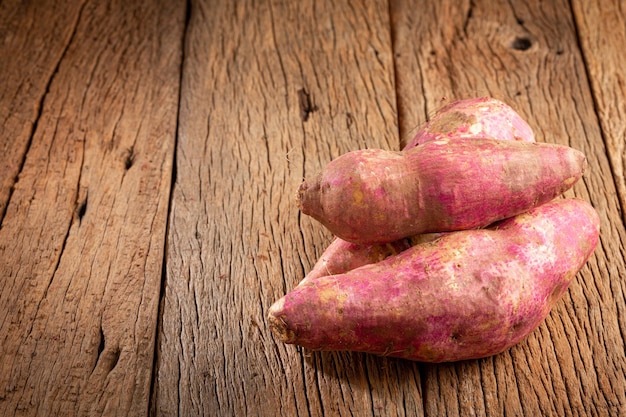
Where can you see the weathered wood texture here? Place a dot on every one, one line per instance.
(93, 113)
(271, 91)
(602, 25)
(89, 102)
(33, 41)
(527, 54)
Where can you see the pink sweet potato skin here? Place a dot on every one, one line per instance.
(474, 117)
(377, 196)
(466, 295)
(342, 256)
(485, 117)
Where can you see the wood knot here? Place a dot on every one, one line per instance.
(521, 43)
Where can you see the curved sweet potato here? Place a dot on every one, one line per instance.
(485, 117)
(468, 294)
(377, 196)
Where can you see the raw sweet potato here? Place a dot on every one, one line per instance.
(468, 294)
(484, 117)
(378, 196)
(475, 117)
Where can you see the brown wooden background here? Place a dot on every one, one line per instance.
(149, 154)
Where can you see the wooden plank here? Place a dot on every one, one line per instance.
(271, 91)
(26, 69)
(525, 53)
(81, 244)
(601, 28)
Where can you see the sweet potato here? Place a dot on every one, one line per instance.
(468, 294)
(475, 117)
(484, 117)
(377, 196)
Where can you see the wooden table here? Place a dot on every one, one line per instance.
(149, 155)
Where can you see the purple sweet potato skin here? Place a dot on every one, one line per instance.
(466, 295)
(484, 116)
(377, 196)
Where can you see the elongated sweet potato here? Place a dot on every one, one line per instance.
(378, 196)
(484, 117)
(468, 294)
(475, 117)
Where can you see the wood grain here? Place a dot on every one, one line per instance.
(525, 53)
(95, 123)
(602, 37)
(271, 92)
(34, 37)
(81, 243)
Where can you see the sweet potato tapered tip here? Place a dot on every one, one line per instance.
(308, 194)
(277, 325)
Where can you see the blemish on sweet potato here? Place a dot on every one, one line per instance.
(452, 121)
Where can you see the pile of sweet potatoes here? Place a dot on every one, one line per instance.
(454, 248)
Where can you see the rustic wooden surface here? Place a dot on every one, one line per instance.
(82, 238)
(149, 154)
(603, 24)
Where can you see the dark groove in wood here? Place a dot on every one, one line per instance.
(40, 109)
(595, 94)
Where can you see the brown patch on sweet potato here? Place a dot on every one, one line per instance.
(451, 121)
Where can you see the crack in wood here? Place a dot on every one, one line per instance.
(468, 17)
(82, 209)
(306, 104)
(35, 123)
(101, 344)
(153, 398)
(106, 358)
(129, 158)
